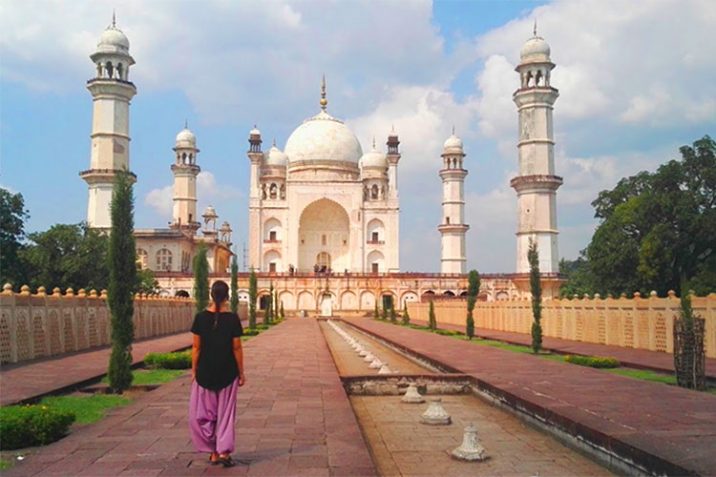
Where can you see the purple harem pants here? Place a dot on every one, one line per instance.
(211, 418)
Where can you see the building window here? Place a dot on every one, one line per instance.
(447, 220)
(374, 237)
(323, 239)
(374, 267)
(272, 236)
(164, 260)
(272, 267)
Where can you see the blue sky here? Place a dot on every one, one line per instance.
(635, 80)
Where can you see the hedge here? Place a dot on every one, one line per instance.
(25, 426)
(178, 360)
(593, 361)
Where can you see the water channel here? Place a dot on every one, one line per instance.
(402, 445)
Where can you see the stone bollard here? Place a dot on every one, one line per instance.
(470, 449)
(435, 415)
(375, 364)
(385, 369)
(412, 395)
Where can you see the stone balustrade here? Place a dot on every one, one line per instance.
(48, 324)
(639, 322)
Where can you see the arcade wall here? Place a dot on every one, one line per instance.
(639, 322)
(40, 325)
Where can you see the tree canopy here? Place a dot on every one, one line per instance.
(657, 230)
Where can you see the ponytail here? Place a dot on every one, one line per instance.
(219, 294)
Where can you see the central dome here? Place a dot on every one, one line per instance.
(323, 138)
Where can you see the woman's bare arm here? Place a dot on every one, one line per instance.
(239, 357)
(195, 350)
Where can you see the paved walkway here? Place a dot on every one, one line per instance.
(630, 357)
(22, 381)
(668, 429)
(293, 418)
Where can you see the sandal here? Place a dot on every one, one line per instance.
(226, 461)
(214, 459)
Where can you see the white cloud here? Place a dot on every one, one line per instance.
(160, 200)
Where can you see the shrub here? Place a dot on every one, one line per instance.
(251, 332)
(178, 360)
(449, 332)
(25, 426)
(593, 361)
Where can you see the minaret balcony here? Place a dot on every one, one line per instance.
(453, 173)
(536, 182)
(453, 228)
(99, 176)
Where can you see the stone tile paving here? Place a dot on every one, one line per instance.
(403, 446)
(636, 358)
(23, 381)
(293, 418)
(663, 427)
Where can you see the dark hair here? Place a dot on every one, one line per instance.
(219, 294)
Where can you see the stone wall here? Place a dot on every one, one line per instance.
(645, 323)
(40, 325)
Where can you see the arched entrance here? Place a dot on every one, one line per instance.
(324, 237)
(327, 304)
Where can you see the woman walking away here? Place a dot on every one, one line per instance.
(217, 367)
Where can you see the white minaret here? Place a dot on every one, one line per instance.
(111, 92)
(255, 156)
(185, 171)
(452, 228)
(536, 184)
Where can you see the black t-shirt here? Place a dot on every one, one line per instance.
(217, 367)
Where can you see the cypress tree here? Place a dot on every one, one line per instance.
(383, 313)
(234, 285)
(201, 279)
(473, 288)
(252, 299)
(276, 310)
(375, 311)
(406, 316)
(432, 322)
(282, 314)
(122, 278)
(393, 316)
(268, 313)
(536, 289)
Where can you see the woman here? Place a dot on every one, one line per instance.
(217, 367)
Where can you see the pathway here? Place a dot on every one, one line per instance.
(293, 418)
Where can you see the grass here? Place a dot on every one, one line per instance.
(5, 464)
(150, 377)
(644, 375)
(88, 409)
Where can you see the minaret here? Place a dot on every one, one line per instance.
(393, 158)
(536, 184)
(185, 171)
(452, 228)
(255, 156)
(111, 93)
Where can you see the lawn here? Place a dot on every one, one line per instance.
(88, 409)
(150, 377)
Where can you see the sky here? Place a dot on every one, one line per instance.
(636, 82)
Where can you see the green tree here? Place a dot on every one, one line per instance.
(383, 312)
(146, 282)
(473, 288)
(376, 315)
(406, 316)
(122, 279)
(432, 321)
(657, 228)
(253, 296)
(268, 312)
(578, 278)
(12, 232)
(276, 310)
(393, 315)
(282, 314)
(68, 255)
(201, 278)
(234, 285)
(536, 289)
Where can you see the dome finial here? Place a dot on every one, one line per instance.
(373, 141)
(114, 19)
(453, 129)
(274, 142)
(534, 29)
(186, 123)
(324, 101)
